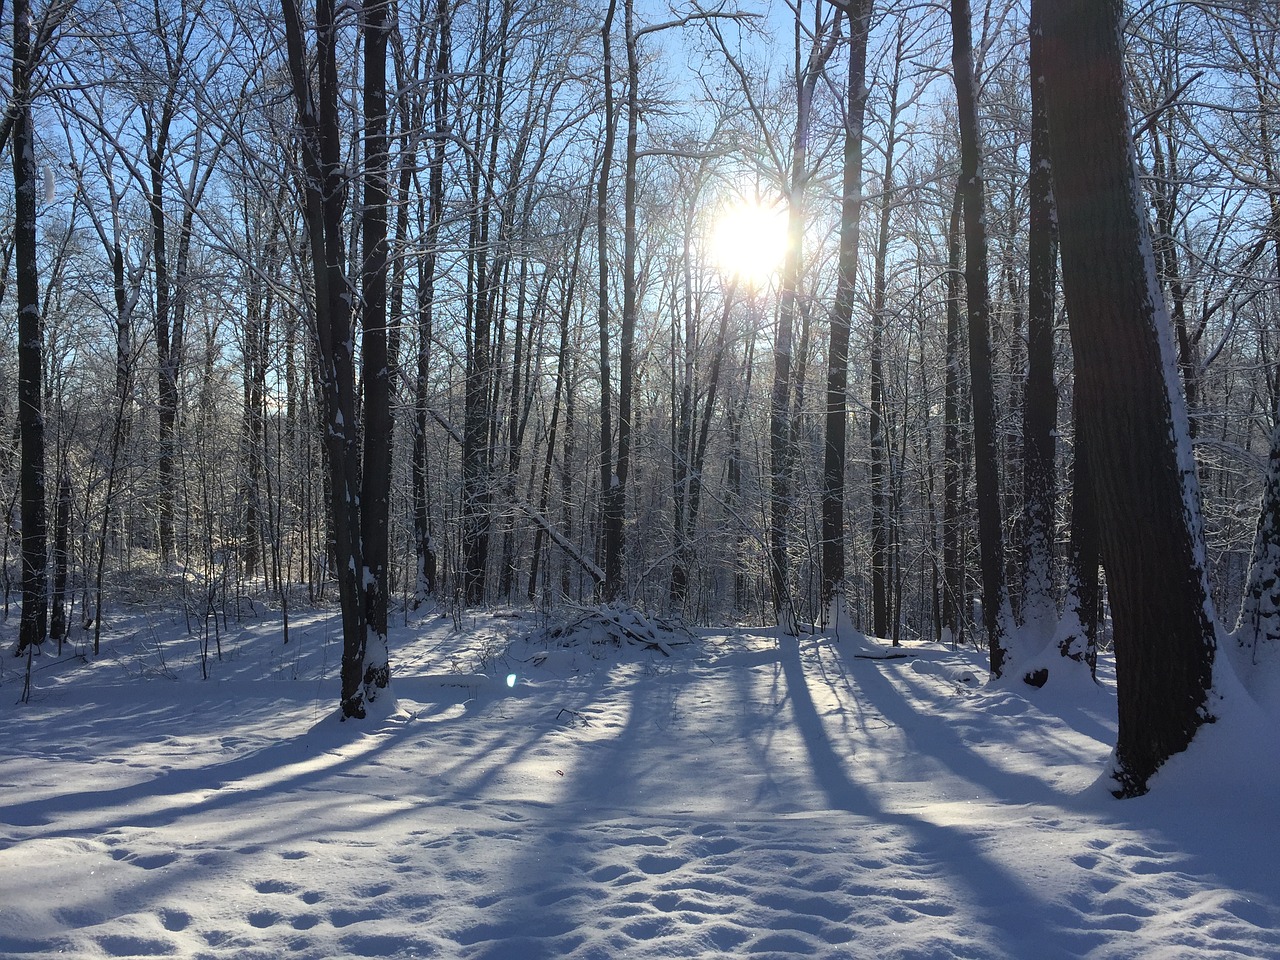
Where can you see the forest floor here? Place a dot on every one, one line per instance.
(738, 794)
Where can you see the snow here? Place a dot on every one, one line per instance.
(541, 795)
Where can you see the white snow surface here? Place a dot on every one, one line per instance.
(747, 795)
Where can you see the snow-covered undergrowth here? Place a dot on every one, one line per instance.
(536, 795)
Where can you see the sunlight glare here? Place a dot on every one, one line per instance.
(749, 241)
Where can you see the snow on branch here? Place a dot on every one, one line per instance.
(564, 543)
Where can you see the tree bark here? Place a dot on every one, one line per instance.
(323, 183)
(34, 625)
(61, 557)
(616, 495)
(1040, 402)
(1077, 634)
(1138, 446)
(996, 613)
(379, 426)
(954, 615)
(611, 517)
(1259, 620)
(832, 593)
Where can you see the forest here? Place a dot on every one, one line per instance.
(741, 313)
(581, 479)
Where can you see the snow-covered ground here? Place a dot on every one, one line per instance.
(743, 796)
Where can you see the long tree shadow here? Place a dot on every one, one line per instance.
(555, 878)
(1017, 921)
(647, 786)
(938, 738)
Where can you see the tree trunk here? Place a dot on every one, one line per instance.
(1040, 403)
(484, 290)
(1164, 200)
(683, 413)
(323, 177)
(1077, 634)
(35, 599)
(954, 615)
(61, 557)
(610, 505)
(780, 449)
(433, 214)
(167, 347)
(616, 495)
(879, 436)
(698, 454)
(562, 361)
(832, 593)
(996, 613)
(375, 485)
(1259, 620)
(1138, 446)
(256, 326)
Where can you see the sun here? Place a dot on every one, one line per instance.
(749, 241)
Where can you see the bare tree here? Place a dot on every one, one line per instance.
(822, 44)
(954, 616)
(612, 505)
(877, 415)
(833, 475)
(996, 612)
(34, 627)
(377, 359)
(365, 673)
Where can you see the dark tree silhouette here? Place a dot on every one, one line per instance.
(1137, 442)
(996, 612)
(35, 601)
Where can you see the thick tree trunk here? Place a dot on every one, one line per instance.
(35, 599)
(1138, 442)
(1040, 403)
(375, 489)
(996, 612)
